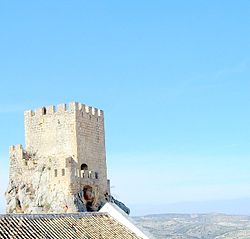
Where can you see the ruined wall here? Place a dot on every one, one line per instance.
(38, 184)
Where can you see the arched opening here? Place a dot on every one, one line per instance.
(84, 166)
(89, 196)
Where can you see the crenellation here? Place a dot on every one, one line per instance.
(61, 108)
(16, 152)
(92, 110)
(87, 108)
(66, 145)
(40, 111)
(89, 112)
(29, 113)
(11, 148)
(51, 109)
(16, 148)
(100, 112)
(81, 107)
(19, 147)
(96, 111)
(73, 106)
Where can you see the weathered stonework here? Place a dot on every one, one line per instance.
(63, 167)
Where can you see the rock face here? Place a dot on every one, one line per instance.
(63, 168)
(118, 203)
(30, 189)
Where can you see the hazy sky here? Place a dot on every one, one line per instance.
(173, 78)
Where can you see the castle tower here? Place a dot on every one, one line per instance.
(63, 167)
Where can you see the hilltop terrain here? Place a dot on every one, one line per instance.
(196, 226)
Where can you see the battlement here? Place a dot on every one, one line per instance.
(16, 151)
(17, 147)
(64, 153)
(64, 108)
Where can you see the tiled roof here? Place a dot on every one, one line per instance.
(62, 226)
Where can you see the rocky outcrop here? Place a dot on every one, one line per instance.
(33, 196)
(37, 195)
(92, 207)
(118, 203)
(63, 165)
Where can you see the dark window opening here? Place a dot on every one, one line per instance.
(63, 172)
(44, 111)
(55, 172)
(96, 175)
(89, 197)
(84, 166)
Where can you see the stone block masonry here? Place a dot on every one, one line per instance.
(63, 166)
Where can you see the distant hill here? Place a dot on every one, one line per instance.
(196, 226)
(237, 206)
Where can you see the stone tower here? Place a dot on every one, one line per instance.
(63, 167)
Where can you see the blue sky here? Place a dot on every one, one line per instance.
(171, 76)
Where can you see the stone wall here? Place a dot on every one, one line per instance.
(91, 143)
(51, 130)
(65, 152)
